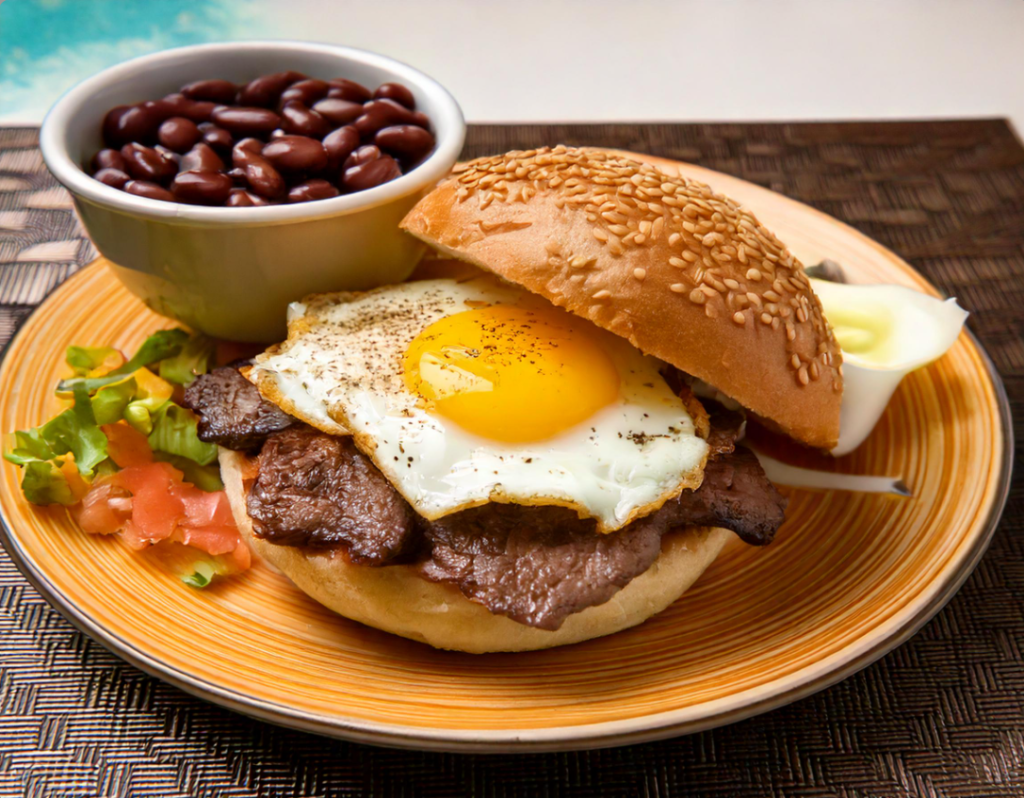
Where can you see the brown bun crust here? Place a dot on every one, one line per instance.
(397, 599)
(684, 274)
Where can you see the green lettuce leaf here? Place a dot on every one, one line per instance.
(44, 483)
(174, 432)
(27, 446)
(160, 345)
(84, 359)
(202, 575)
(75, 430)
(204, 477)
(109, 404)
(190, 362)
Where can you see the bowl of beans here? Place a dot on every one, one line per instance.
(224, 181)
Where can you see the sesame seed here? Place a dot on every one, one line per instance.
(755, 300)
(674, 239)
(795, 360)
(730, 283)
(600, 234)
(604, 293)
(739, 318)
(618, 229)
(696, 295)
(679, 263)
(689, 256)
(766, 318)
(815, 371)
(802, 375)
(639, 274)
(801, 314)
(645, 227)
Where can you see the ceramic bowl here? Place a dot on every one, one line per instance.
(231, 272)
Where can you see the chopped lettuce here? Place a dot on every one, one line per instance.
(160, 345)
(131, 392)
(190, 362)
(174, 432)
(201, 576)
(75, 431)
(44, 483)
(84, 359)
(109, 404)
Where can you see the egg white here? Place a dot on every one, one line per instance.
(342, 368)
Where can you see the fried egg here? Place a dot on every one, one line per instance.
(466, 392)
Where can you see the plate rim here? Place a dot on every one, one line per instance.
(645, 728)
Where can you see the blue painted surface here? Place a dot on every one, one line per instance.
(46, 46)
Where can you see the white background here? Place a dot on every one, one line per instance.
(537, 60)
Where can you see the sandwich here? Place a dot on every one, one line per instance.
(545, 446)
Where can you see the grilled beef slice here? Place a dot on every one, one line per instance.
(314, 489)
(231, 411)
(537, 565)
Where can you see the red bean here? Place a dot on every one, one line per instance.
(263, 178)
(365, 154)
(179, 134)
(242, 121)
(132, 124)
(379, 114)
(371, 174)
(348, 90)
(215, 91)
(312, 190)
(217, 137)
(340, 144)
(112, 135)
(397, 92)
(296, 154)
(197, 111)
(108, 159)
(201, 158)
(201, 188)
(265, 91)
(170, 155)
(306, 92)
(143, 188)
(409, 143)
(340, 112)
(300, 120)
(145, 163)
(244, 150)
(246, 121)
(110, 176)
(240, 198)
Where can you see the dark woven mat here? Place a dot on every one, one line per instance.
(941, 716)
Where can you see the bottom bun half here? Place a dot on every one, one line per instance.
(396, 599)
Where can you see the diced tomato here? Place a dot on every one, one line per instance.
(149, 502)
(156, 510)
(104, 510)
(126, 446)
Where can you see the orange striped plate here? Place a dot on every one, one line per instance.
(849, 577)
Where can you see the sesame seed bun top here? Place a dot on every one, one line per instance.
(683, 273)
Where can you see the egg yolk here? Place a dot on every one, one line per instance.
(510, 373)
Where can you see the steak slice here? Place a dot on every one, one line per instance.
(537, 565)
(314, 489)
(735, 494)
(231, 411)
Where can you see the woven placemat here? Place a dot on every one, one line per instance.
(941, 716)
